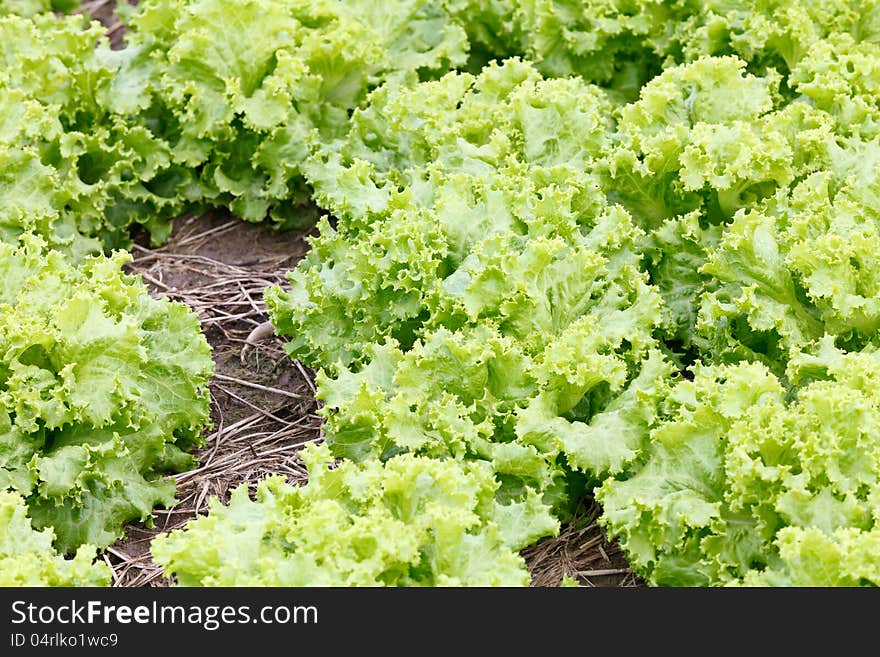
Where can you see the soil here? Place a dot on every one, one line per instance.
(263, 405)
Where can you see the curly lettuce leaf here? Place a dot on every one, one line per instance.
(417, 135)
(708, 136)
(73, 171)
(675, 253)
(777, 34)
(840, 77)
(243, 106)
(622, 44)
(30, 7)
(411, 521)
(801, 266)
(743, 478)
(810, 557)
(102, 390)
(27, 557)
(712, 163)
(477, 297)
(489, 159)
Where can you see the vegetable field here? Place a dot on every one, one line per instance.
(440, 293)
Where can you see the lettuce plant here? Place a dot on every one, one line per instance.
(103, 390)
(27, 557)
(747, 481)
(478, 298)
(412, 521)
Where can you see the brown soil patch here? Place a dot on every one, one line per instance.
(263, 406)
(583, 552)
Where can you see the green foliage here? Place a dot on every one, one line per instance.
(459, 178)
(102, 390)
(241, 106)
(190, 113)
(519, 268)
(563, 243)
(748, 482)
(27, 557)
(412, 521)
(73, 171)
(33, 7)
(478, 298)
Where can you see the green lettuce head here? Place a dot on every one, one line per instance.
(103, 390)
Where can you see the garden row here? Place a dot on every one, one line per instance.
(565, 249)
